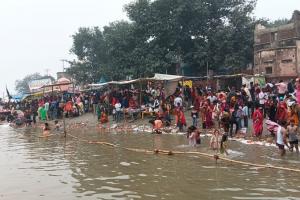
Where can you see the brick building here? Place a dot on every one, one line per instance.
(277, 50)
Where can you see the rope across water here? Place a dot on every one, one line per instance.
(168, 152)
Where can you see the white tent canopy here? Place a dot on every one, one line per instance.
(170, 82)
(166, 77)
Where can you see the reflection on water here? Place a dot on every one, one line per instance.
(55, 168)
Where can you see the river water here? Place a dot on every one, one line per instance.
(55, 168)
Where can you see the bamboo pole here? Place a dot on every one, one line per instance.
(64, 121)
(169, 152)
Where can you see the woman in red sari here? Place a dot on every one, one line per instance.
(282, 113)
(180, 119)
(209, 119)
(258, 121)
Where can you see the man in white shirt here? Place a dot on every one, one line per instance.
(212, 98)
(262, 98)
(118, 108)
(247, 92)
(178, 101)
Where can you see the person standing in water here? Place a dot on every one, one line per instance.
(292, 131)
(43, 114)
(215, 140)
(281, 138)
(195, 116)
(194, 136)
(258, 121)
(57, 125)
(46, 130)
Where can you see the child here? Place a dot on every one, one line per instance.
(103, 118)
(46, 130)
(195, 116)
(57, 125)
(245, 115)
(214, 140)
(194, 136)
(292, 134)
(158, 125)
(180, 120)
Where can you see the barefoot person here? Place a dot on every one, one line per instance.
(292, 134)
(158, 125)
(193, 136)
(46, 130)
(258, 121)
(180, 119)
(281, 138)
(215, 140)
(57, 125)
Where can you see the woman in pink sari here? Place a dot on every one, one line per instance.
(257, 121)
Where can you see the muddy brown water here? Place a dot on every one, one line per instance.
(55, 168)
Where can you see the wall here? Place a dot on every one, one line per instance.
(278, 48)
(286, 62)
(264, 59)
(283, 62)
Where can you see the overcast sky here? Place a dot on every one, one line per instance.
(36, 34)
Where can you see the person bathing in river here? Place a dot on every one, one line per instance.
(215, 140)
(292, 131)
(46, 130)
(195, 116)
(158, 125)
(225, 124)
(103, 117)
(194, 136)
(57, 125)
(180, 119)
(43, 114)
(281, 138)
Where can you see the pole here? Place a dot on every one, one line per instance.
(63, 62)
(73, 89)
(207, 74)
(63, 65)
(52, 91)
(64, 121)
(140, 92)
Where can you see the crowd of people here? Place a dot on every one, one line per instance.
(233, 110)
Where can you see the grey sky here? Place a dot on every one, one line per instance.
(36, 34)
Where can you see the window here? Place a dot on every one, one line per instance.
(268, 62)
(269, 70)
(287, 61)
(274, 36)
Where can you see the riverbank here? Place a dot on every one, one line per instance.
(59, 168)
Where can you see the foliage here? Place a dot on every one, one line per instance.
(164, 33)
(276, 23)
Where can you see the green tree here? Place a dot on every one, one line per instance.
(277, 22)
(196, 32)
(89, 47)
(162, 34)
(120, 43)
